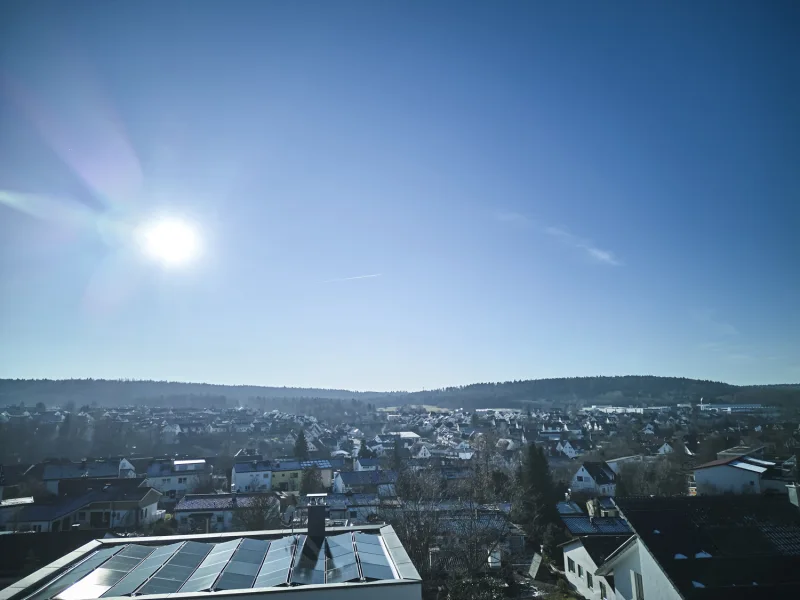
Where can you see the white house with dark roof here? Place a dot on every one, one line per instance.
(695, 548)
(743, 474)
(583, 556)
(595, 478)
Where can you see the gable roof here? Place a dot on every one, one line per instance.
(600, 547)
(600, 472)
(744, 541)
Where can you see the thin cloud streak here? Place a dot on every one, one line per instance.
(599, 255)
(356, 277)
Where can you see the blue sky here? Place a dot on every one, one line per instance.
(539, 189)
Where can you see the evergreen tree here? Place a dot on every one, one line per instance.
(301, 446)
(536, 505)
(311, 483)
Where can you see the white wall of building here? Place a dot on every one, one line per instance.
(726, 479)
(655, 585)
(578, 578)
(254, 481)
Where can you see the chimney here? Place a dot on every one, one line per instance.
(793, 494)
(317, 509)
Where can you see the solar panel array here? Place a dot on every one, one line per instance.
(242, 563)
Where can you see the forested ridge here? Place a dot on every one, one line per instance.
(511, 394)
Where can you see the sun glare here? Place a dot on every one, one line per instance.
(170, 241)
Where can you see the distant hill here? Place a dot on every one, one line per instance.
(105, 392)
(622, 390)
(576, 390)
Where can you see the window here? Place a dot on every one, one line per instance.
(294, 475)
(580, 571)
(181, 479)
(579, 478)
(638, 586)
(220, 519)
(265, 475)
(603, 591)
(589, 581)
(165, 480)
(571, 565)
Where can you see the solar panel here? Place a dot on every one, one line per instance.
(343, 560)
(376, 571)
(136, 551)
(340, 541)
(208, 571)
(72, 576)
(373, 559)
(308, 576)
(233, 581)
(242, 568)
(346, 573)
(282, 564)
(143, 571)
(366, 538)
(272, 579)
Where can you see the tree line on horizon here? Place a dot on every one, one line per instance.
(511, 394)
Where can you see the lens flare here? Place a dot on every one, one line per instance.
(172, 242)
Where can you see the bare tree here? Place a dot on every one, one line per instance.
(256, 512)
(417, 520)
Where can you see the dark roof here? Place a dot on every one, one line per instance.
(218, 501)
(600, 472)
(55, 508)
(368, 477)
(583, 525)
(742, 541)
(84, 469)
(599, 547)
(368, 462)
(718, 462)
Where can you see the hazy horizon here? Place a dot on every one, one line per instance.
(399, 195)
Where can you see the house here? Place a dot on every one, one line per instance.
(362, 482)
(739, 474)
(583, 556)
(177, 477)
(251, 476)
(53, 473)
(572, 448)
(694, 548)
(287, 474)
(662, 450)
(596, 478)
(108, 506)
(365, 464)
(212, 513)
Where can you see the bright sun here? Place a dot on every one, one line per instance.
(171, 241)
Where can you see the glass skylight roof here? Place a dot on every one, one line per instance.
(241, 563)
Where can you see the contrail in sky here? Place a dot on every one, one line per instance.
(356, 277)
